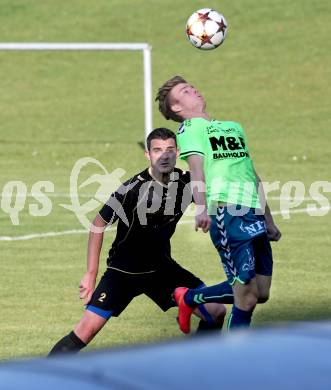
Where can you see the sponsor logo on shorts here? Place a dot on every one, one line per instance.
(250, 265)
(253, 229)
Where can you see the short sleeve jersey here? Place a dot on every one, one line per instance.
(147, 214)
(228, 168)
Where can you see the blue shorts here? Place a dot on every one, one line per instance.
(242, 243)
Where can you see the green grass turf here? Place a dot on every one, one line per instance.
(272, 74)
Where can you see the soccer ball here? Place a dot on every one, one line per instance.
(206, 29)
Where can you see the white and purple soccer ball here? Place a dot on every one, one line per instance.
(206, 29)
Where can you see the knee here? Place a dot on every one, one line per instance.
(249, 302)
(217, 311)
(87, 328)
(219, 314)
(92, 329)
(85, 331)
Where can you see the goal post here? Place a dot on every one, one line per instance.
(144, 47)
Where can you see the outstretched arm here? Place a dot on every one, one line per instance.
(202, 219)
(87, 284)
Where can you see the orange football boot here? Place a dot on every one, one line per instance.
(184, 311)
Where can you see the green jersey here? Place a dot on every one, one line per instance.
(228, 168)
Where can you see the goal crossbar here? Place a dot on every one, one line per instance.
(59, 46)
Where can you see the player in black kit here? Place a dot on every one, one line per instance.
(147, 208)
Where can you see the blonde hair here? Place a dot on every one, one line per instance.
(164, 99)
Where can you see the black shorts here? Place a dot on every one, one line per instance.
(116, 289)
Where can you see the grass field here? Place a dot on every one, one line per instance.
(273, 74)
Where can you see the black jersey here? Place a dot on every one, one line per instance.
(147, 213)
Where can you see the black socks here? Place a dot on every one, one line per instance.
(68, 344)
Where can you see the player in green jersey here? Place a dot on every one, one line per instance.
(230, 203)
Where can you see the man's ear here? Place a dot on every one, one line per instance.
(147, 155)
(176, 108)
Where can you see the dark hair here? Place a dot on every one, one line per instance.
(160, 133)
(164, 101)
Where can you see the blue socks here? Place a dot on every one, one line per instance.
(219, 293)
(239, 318)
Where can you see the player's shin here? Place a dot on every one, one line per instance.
(219, 293)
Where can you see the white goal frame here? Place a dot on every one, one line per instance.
(144, 47)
